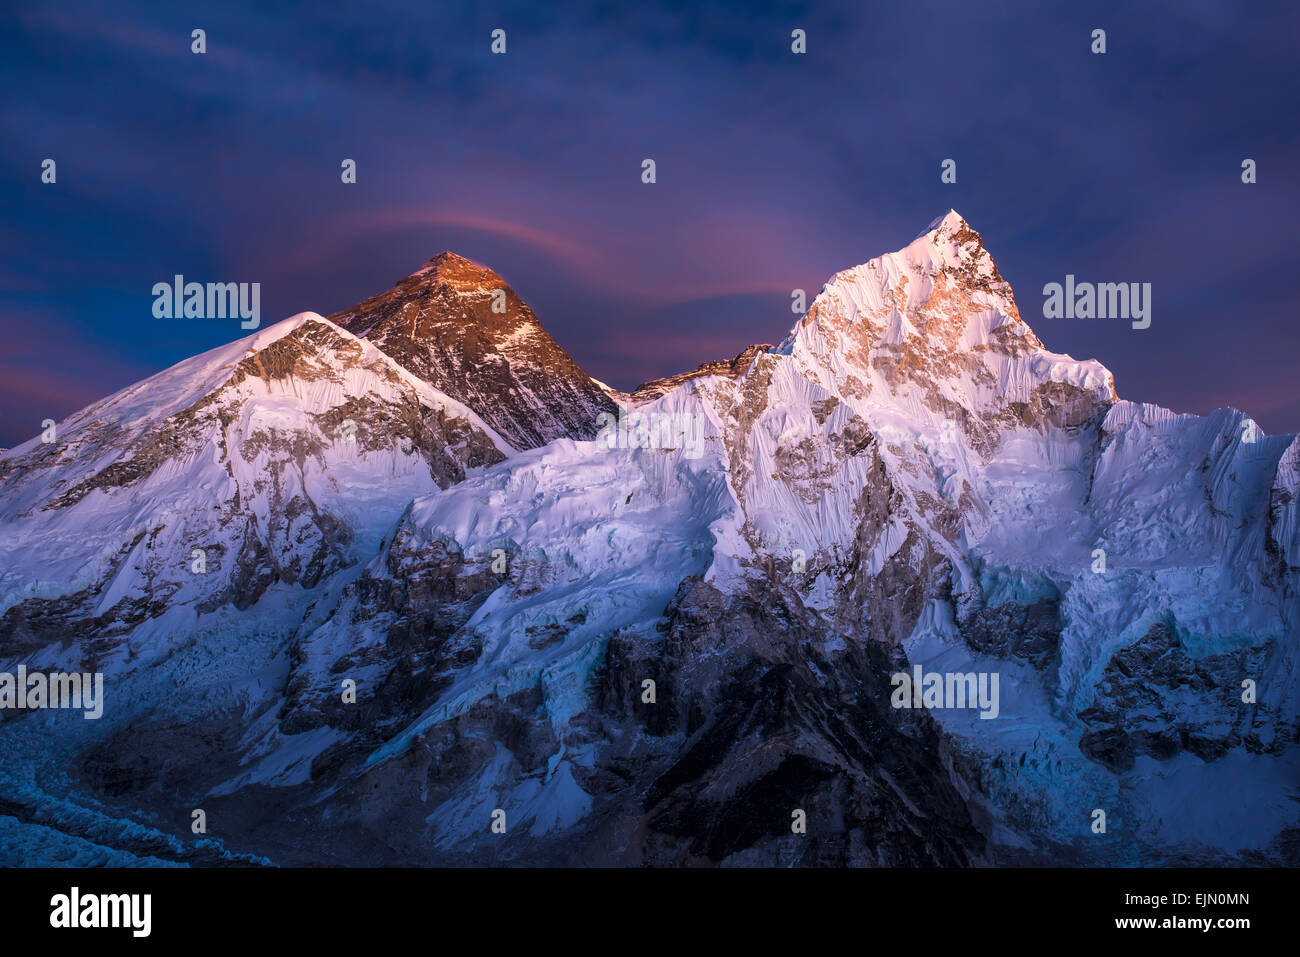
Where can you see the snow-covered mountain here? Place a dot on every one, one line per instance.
(665, 643)
(458, 326)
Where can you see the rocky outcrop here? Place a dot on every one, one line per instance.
(732, 368)
(459, 327)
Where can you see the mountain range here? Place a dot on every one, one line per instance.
(380, 588)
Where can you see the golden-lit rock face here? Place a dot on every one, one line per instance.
(461, 328)
(935, 329)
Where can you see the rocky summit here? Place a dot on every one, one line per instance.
(460, 328)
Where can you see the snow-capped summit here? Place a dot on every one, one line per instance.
(952, 220)
(280, 458)
(934, 328)
(462, 329)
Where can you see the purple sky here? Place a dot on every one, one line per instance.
(774, 171)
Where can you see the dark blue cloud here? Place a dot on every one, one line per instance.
(774, 171)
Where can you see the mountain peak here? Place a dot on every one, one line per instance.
(456, 271)
(953, 230)
(950, 222)
(459, 326)
(447, 256)
(933, 321)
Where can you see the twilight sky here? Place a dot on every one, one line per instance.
(774, 171)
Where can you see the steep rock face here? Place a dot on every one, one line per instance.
(783, 722)
(1284, 513)
(458, 326)
(1156, 698)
